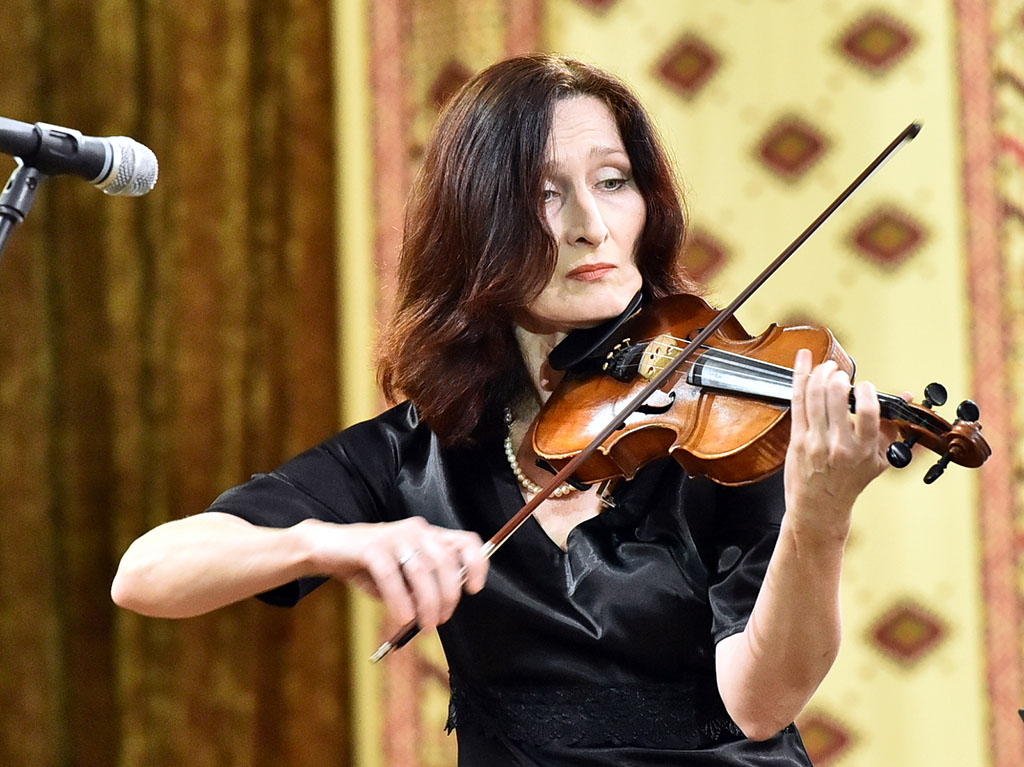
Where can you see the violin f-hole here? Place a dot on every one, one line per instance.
(648, 409)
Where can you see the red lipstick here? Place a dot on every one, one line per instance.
(589, 272)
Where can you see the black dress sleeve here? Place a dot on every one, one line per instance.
(348, 478)
(747, 521)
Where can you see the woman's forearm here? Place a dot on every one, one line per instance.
(194, 565)
(769, 671)
(197, 564)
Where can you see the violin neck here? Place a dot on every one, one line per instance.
(737, 374)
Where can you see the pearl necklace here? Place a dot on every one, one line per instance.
(531, 486)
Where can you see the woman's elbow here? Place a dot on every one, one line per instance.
(122, 594)
(135, 587)
(126, 589)
(764, 716)
(760, 728)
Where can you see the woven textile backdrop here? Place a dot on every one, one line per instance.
(771, 108)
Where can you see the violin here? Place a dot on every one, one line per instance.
(688, 381)
(724, 414)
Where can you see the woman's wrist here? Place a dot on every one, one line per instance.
(822, 530)
(306, 546)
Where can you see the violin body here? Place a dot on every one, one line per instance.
(724, 414)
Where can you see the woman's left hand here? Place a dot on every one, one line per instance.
(832, 454)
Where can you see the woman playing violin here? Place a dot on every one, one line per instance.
(687, 624)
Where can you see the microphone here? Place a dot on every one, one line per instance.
(118, 165)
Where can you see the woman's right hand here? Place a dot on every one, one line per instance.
(416, 569)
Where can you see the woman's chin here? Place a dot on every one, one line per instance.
(599, 309)
(581, 308)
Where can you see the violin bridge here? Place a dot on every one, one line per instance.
(658, 355)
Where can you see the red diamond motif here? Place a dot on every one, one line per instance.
(688, 65)
(824, 738)
(877, 42)
(703, 255)
(888, 237)
(908, 632)
(452, 77)
(791, 147)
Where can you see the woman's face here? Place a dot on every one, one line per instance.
(595, 213)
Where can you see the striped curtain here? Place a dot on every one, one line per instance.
(152, 353)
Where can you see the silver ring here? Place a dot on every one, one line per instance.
(407, 558)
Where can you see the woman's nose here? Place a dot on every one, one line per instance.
(584, 224)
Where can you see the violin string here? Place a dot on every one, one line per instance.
(752, 369)
(743, 367)
(738, 363)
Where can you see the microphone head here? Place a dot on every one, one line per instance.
(133, 171)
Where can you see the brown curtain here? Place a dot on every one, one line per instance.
(152, 353)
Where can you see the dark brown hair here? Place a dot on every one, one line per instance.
(477, 249)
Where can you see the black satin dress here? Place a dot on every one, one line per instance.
(601, 654)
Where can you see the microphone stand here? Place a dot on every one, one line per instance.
(17, 198)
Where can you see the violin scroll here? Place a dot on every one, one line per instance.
(960, 442)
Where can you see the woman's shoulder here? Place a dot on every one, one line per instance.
(400, 421)
(381, 440)
(357, 468)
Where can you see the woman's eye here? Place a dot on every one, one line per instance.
(550, 194)
(611, 184)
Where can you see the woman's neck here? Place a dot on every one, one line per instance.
(535, 348)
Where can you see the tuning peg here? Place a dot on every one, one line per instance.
(968, 411)
(899, 453)
(936, 471)
(934, 394)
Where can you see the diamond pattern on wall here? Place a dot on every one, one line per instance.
(877, 42)
(688, 65)
(907, 632)
(452, 77)
(824, 738)
(791, 147)
(703, 255)
(888, 236)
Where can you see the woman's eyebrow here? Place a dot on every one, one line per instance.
(599, 151)
(603, 151)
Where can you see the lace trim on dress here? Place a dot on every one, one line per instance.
(684, 716)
